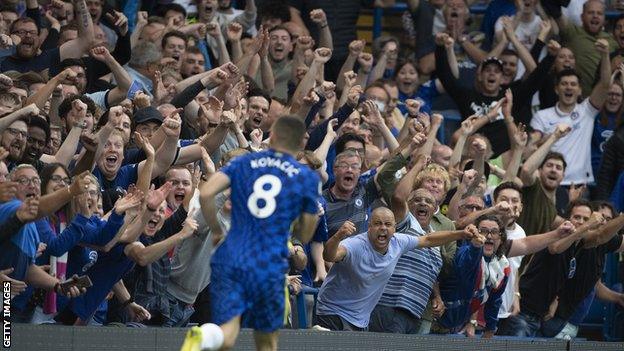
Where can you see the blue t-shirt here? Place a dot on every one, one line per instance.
(599, 139)
(425, 93)
(269, 191)
(49, 59)
(126, 176)
(355, 284)
(108, 270)
(19, 252)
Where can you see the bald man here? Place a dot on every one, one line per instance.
(363, 265)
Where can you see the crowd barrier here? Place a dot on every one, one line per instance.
(26, 337)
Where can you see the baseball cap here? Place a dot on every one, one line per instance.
(492, 60)
(147, 114)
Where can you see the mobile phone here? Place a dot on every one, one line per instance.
(79, 282)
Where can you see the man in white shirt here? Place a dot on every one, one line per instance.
(576, 146)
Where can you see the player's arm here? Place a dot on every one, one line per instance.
(207, 192)
(334, 252)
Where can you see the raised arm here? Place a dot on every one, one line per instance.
(144, 255)
(334, 252)
(604, 233)
(54, 201)
(599, 93)
(563, 244)
(167, 151)
(213, 30)
(441, 238)
(208, 190)
(123, 79)
(266, 72)
(24, 112)
(538, 242)
(144, 177)
(321, 56)
(523, 53)
(325, 37)
(41, 96)
(355, 49)
(398, 202)
(75, 48)
(528, 171)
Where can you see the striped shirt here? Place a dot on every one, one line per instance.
(355, 209)
(411, 283)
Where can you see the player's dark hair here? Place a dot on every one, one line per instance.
(288, 132)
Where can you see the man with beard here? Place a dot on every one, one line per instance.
(581, 40)
(38, 136)
(362, 266)
(14, 132)
(280, 47)
(541, 174)
(193, 62)
(576, 147)
(27, 56)
(257, 110)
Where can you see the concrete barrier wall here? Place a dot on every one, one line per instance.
(61, 338)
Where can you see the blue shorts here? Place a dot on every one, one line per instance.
(240, 292)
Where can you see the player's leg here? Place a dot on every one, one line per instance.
(228, 304)
(266, 341)
(268, 310)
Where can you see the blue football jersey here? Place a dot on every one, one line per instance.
(269, 190)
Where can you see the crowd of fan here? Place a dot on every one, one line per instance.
(114, 112)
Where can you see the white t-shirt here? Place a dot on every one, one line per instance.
(514, 262)
(526, 31)
(527, 34)
(576, 146)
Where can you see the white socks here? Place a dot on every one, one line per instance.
(212, 337)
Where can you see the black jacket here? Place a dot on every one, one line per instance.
(612, 164)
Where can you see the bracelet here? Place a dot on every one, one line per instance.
(323, 26)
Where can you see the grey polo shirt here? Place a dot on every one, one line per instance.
(356, 209)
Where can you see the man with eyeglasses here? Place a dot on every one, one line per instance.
(13, 140)
(20, 250)
(349, 198)
(29, 57)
